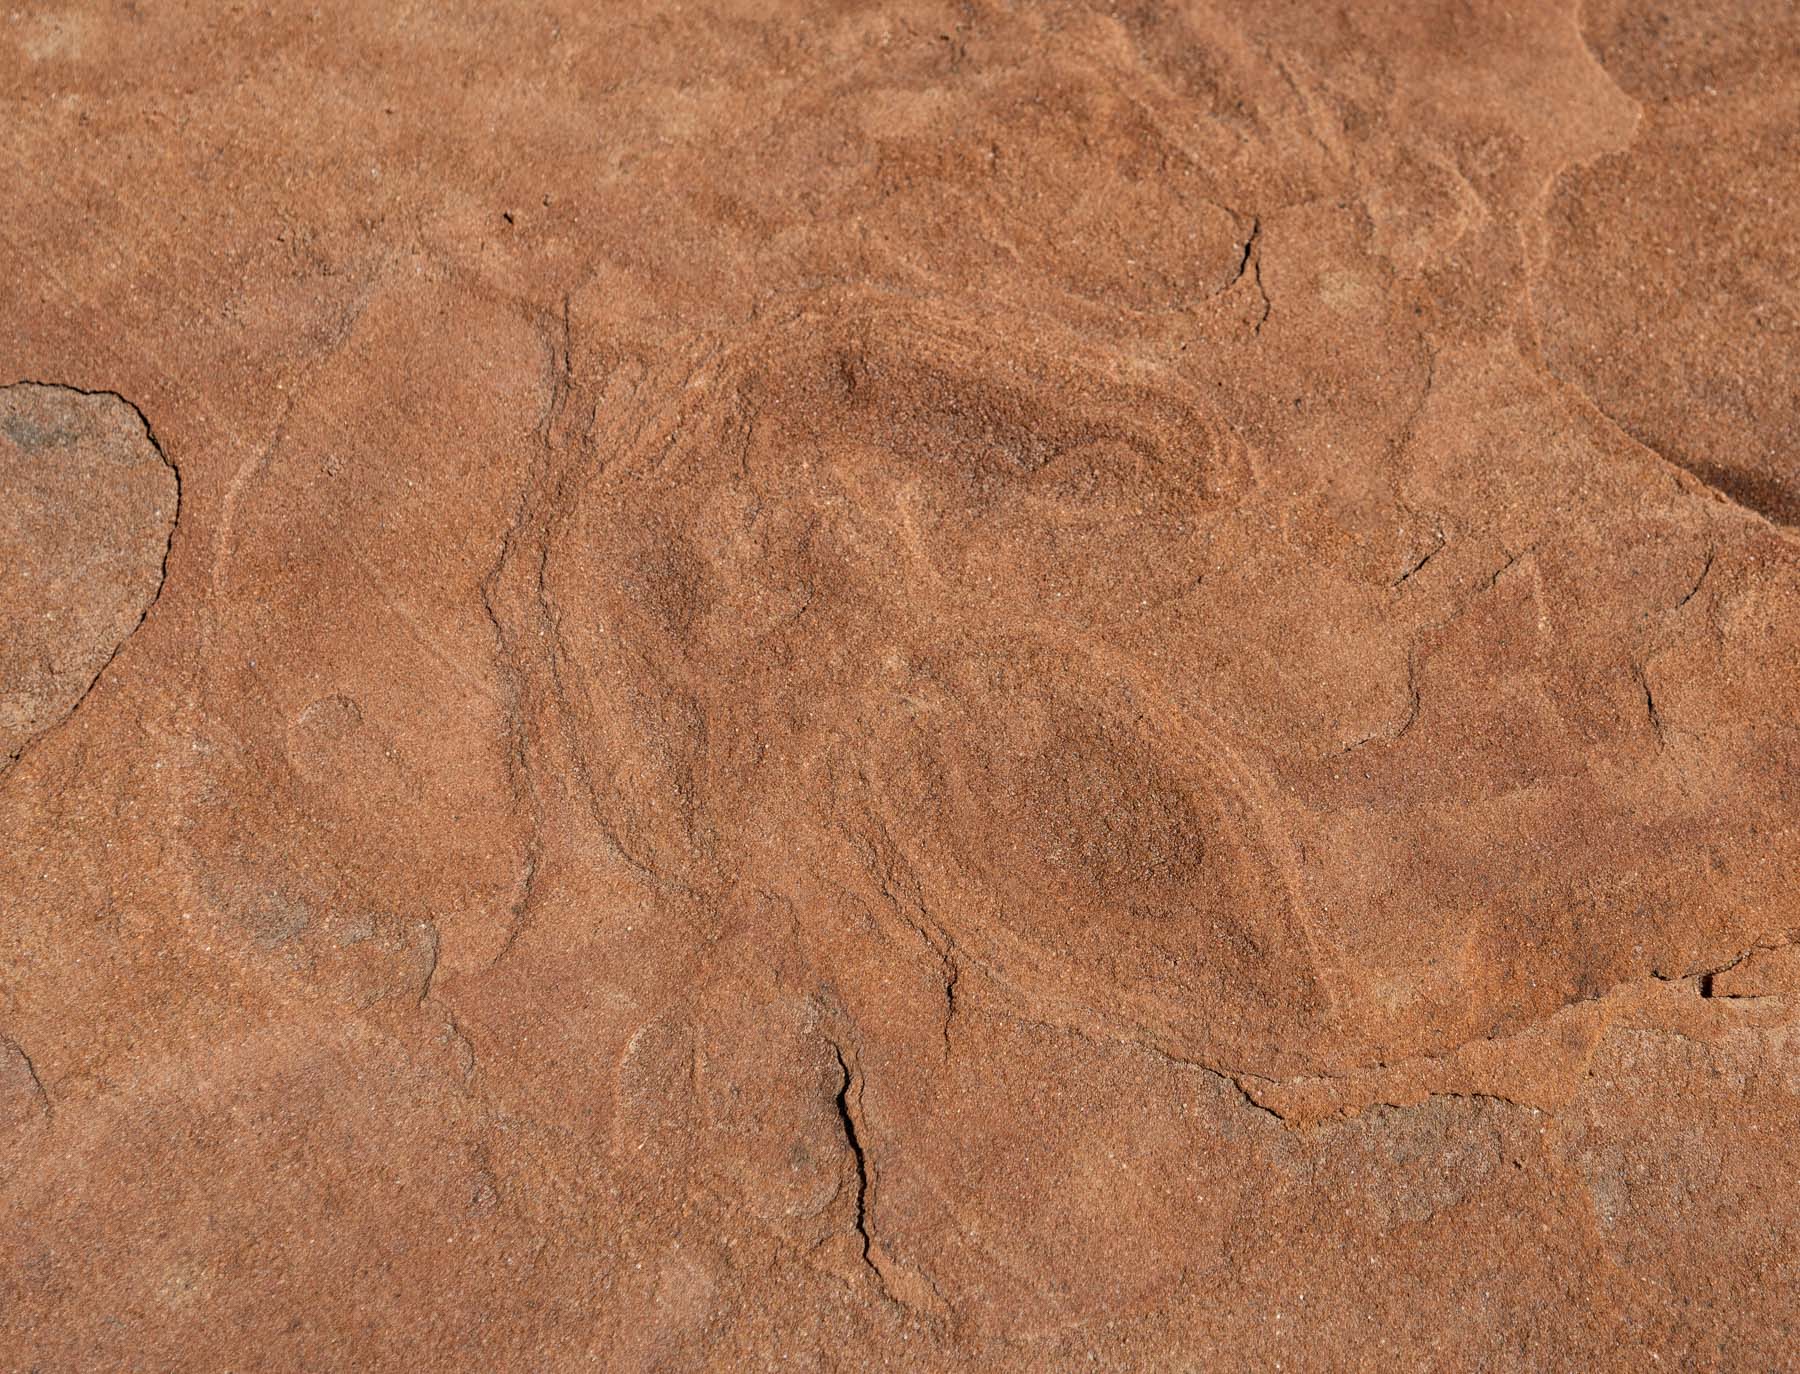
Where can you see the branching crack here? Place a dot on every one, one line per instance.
(1250, 264)
(1706, 976)
(1512, 561)
(1414, 697)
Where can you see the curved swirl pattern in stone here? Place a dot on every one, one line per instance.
(1092, 847)
(753, 603)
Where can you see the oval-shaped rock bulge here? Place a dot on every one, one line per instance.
(87, 510)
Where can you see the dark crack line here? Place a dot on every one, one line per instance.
(433, 946)
(1512, 561)
(1249, 250)
(1414, 701)
(1705, 976)
(1243, 1092)
(881, 857)
(847, 1119)
(1443, 542)
(37, 1084)
(952, 976)
(1699, 581)
(1250, 264)
(1263, 291)
(1650, 708)
(1415, 664)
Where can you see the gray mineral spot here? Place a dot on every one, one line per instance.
(86, 516)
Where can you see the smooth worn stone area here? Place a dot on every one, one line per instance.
(954, 685)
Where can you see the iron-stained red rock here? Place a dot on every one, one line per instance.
(937, 686)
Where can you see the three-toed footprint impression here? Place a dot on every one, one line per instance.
(864, 572)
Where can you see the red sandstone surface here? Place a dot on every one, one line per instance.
(964, 686)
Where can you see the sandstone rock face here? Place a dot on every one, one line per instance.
(90, 505)
(942, 686)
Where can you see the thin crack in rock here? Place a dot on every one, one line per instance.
(847, 1119)
(1699, 581)
(37, 1084)
(1650, 708)
(1419, 565)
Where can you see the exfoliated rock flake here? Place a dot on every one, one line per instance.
(926, 686)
